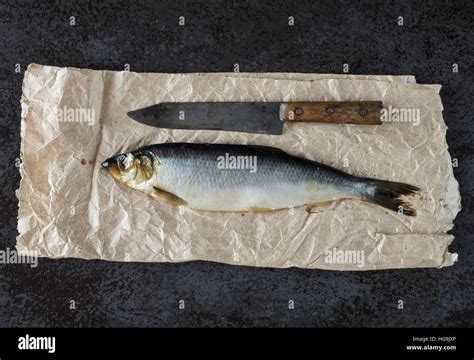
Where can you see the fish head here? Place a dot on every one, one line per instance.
(133, 168)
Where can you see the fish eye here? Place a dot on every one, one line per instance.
(125, 161)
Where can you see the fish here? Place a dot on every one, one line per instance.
(246, 178)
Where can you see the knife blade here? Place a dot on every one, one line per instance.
(255, 117)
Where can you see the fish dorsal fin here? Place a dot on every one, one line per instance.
(268, 148)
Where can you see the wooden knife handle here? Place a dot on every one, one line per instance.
(335, 112)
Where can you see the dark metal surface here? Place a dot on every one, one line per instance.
(256, 36)
(248, 117)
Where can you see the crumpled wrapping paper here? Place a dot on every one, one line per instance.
(69, 207)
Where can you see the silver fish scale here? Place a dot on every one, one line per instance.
(198, 164)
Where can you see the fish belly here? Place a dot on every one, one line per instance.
(249, 199)
(213, 196)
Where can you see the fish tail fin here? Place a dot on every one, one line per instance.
(388, 193)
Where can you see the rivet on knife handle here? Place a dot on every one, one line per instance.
(340, 112)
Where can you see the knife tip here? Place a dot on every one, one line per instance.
(132, 114)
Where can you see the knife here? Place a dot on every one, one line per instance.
(256, 117)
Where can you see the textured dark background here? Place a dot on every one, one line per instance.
(217, 35)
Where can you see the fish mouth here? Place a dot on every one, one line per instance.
(108, 163)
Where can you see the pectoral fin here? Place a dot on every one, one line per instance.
(167, 197)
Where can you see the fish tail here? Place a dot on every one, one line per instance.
(388, 193)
